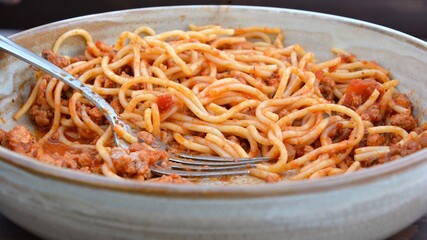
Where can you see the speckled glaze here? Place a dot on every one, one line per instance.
(62, 204)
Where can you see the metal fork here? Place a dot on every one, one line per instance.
(184, 165)
(207, 166)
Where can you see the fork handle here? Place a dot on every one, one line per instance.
(24, 54)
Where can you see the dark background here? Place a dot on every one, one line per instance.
(408, 16)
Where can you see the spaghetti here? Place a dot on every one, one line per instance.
(226, 92)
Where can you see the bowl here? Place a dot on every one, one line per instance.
(56, 203)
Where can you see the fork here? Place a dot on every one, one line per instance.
(207, 166)
(183, 165)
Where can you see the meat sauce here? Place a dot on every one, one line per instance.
(358, 91)
(130, 163)
(165, 102)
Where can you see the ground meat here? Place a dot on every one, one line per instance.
(82, 159)
(347, 58)
(291, 152)
(173, 178)
(334, 131)
(129, 164)
(375, 140)
(411, 146)
(20, 140)
(339, 133)
(54, 58)
(344, 134)
(115, 104)
(405, 149)
(134, 162)
(354, 103)
(359, 90)
(103, 47)
(78, 59)
(381, 160)
(402, 100)
(95, 114)
(146, 137)
(165, 102)
(404, 121)
(40, 111)
(372, 114)
(302, 150)
(273, 80)
(326, 85)
(107, 83)
(421, 128)
(394, 139)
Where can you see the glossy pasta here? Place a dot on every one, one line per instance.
(232, 93)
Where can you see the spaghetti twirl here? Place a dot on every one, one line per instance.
(226, 92)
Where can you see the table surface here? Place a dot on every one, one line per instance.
(11, 231)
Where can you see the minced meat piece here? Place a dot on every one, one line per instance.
(375, 140)
(78, 58)
(402, 100)
(107, 83)
(302, 150)
(404, 121)
(105, 48)
(146, 137)
(347, 58)
(165, 102)
(338, 133)
(273, 80)
(41, 112)
(82, 159)
(115, 104)
(20, 140)
(359, 90)
(56, 59)
(410, 147)
(372, 114)
(135, 161)
(95, 114)
(326, 85)
(405, 149)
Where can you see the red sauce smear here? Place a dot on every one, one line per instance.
(165, 102)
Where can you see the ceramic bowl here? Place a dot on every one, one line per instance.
(58, 203)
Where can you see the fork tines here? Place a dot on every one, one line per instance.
(207, 166)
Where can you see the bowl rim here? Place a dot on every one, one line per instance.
(285, 188)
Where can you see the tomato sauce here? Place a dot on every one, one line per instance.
(165, 102)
